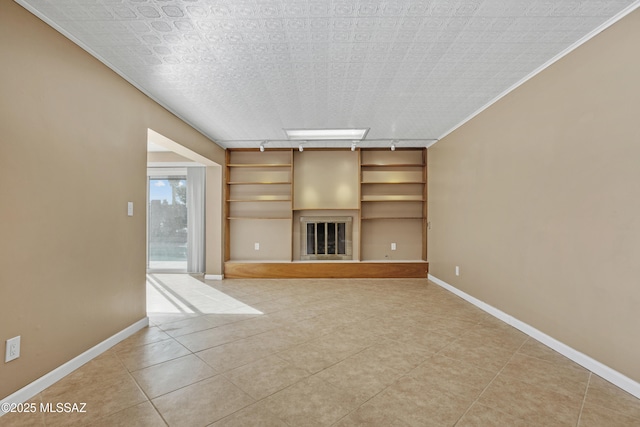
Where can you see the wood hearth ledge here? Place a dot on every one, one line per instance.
(326, 269)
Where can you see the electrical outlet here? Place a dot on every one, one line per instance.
(13, 349)
(256, 246)
(457, 270)
(130, 208)
(393, 246)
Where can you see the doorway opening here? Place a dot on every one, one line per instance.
(183, 187)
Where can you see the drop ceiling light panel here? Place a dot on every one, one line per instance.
(244, 70)
(326, 134)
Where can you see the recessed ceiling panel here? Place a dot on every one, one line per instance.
(242, 71)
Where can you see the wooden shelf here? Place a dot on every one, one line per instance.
(392, 165)
(259, 165)
(390, 217)
(392, 182)
(393, 198)
(256, 217)
(260, 183)
(263, 199)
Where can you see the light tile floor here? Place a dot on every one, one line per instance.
(328, 353)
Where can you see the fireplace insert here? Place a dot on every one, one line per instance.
(326, 238)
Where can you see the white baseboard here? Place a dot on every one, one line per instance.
(30, 390)
(213, 276)
(609, 374)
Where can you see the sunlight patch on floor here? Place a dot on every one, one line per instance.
(183, 294)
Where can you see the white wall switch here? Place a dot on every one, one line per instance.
(13, 349)
(256, 246)
(457, 270)
(393, 246)
(130, 208)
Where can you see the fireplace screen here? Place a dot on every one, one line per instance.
(325, 238)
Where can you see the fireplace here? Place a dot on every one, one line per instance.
(326, 238)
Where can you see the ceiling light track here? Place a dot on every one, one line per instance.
(369, 143)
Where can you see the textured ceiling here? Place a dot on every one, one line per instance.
(240, 71)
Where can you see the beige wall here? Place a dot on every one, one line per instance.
(326, 179)
(72, 154)
(537, 201)
(272, 236)
(378, 235)
(165, 157)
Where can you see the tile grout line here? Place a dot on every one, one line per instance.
(404, 376)
(238, 339)
(584, 398)
(157, 363)
(185, 386)
(383, 389)
(148, 397)
(491, 382)
(272, 354)
(223, 374)
(311, 375)
(275, 353)
(129, 373)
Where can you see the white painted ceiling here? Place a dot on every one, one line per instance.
(241, 71)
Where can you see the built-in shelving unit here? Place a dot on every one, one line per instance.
(385, 192)
(393, 197)
(259, 190)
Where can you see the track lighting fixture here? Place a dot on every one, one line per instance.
(300, 149)
(353, 146)
(262, 146)
(393, 147)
